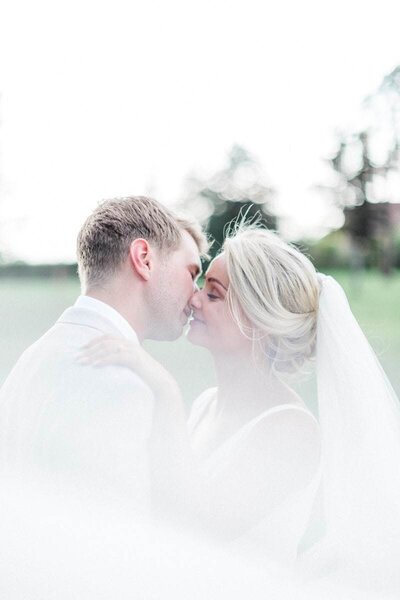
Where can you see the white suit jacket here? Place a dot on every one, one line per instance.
(79, 428)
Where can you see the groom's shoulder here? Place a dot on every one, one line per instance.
(51, 361)
(74, 328)
(57, 382)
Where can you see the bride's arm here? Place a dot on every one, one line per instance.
(278, 458)
(169, 448)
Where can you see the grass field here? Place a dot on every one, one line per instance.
(30, 306)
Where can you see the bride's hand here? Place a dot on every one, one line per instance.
(113, 350)
(169, 450)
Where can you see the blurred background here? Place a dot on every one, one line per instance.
(291, 109)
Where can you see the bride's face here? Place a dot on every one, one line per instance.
(213, 325)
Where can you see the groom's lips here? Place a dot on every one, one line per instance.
(186, 314)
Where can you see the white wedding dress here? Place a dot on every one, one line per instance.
(279, 532)
(359, 420)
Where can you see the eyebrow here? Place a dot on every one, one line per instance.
(214, 280)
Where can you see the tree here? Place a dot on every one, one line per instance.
(239, 188)
(365, 163)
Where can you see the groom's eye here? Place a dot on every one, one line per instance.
(194, 275)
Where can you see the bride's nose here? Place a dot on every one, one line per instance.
(195, 301)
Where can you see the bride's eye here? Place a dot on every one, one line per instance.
(212, 297)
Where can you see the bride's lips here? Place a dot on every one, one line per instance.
(196, 320)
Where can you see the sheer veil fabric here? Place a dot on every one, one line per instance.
(359, 415)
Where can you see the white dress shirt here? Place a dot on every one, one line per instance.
(109, 313)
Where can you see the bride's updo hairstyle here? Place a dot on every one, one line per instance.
(273, 295)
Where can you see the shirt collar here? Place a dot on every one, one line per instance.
(109, 313)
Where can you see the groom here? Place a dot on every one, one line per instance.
(83, 429)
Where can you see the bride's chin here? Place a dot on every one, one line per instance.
(193, 337)
(190, 337)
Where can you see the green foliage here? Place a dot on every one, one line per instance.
(364, 164)
(336, 251)
(331, 252)
(396, 250)
(238, 189)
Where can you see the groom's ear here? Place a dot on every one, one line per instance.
(141, 258)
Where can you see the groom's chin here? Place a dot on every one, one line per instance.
(168, 335)
(173, 336)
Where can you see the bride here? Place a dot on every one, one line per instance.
(259, 455)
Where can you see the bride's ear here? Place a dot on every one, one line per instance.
(141, 257)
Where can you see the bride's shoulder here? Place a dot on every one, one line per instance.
(293, 408)
(288, 396)
(289, 425)
(294, 416)
(287, 437)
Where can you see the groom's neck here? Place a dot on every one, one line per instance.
(118, 300)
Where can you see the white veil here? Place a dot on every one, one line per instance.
(359, 415)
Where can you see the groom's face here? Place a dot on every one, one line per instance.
(173, 288)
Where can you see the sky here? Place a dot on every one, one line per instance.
(104, 99)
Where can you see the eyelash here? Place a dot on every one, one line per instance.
(212, 297)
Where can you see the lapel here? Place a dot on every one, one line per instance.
(85, 317)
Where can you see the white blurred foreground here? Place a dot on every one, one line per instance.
(53, 549)
(87, 468)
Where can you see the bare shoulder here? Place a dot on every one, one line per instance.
(289, 396)
(291, 418)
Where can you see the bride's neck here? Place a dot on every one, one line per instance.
(244, 385)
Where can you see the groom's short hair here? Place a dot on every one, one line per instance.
(105, 237)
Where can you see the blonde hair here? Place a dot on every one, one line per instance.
(104, 239)
(193, 228)
(273, 295)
